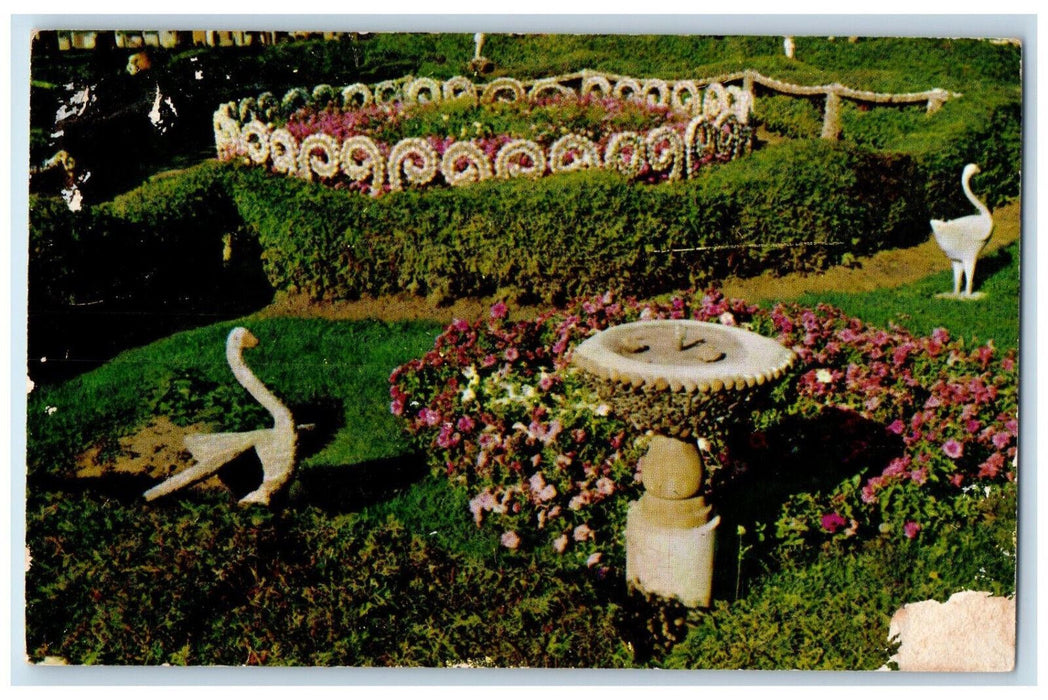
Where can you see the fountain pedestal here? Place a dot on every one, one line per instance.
(678, 379)
(670, 538)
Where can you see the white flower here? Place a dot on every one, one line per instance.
(715, 101)
(404, 156)
(459, 87)
(596, 84)
(255, 137)
(660, 89)
(227, 130)
(415, 90)
(356, 91)
(50, 410)
(603, 410)
(504, 90)
(572, 152)
(510, 160)
(627, 89)
(361, 159)
(283, 151)
(685, 96)
(549, 85)
(385, 92)
(625, 153)
(468, 395)
(318, 153)
(477, 168)
(671, 156)
(823, 375)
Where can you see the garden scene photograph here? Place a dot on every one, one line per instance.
(464, 350)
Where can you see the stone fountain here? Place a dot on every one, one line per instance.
(680, 379)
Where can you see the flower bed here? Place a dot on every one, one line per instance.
(419, 132)
(500, 411)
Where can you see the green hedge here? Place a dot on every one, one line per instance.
(802, 205)
(575, 234)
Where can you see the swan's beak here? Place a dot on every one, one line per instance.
(249, 340)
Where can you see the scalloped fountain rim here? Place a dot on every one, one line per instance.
(749, 360)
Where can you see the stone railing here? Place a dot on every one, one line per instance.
(831, 124)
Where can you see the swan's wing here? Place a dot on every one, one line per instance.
(208, 448)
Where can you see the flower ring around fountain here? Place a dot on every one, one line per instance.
(680, 379)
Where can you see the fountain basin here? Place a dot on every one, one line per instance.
(679, 377)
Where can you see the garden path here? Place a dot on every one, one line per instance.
(886, 269)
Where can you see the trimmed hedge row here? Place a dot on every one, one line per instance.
(810, 203)
(801, 205)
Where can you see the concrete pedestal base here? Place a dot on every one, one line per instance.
(673, 562)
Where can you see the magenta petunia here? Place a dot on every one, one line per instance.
(499, 310)
(911, 528)
(952, 448)
(831, 522)
(896, 426)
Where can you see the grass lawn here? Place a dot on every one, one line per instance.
(916, 308)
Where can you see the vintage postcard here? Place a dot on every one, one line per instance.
(523, 350)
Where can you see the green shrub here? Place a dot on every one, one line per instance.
(793, 117)
(584, 232)
(196, 582)
(833, 613)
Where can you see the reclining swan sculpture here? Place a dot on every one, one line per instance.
(274, 446)
(963, 239)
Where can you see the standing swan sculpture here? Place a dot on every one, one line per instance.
(274, 446)
(963, 239)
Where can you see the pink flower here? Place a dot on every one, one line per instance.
(465, 424)
(510, 540)
(896, 426)
(1001, 440)
(499, 310)
(460, 325)
(594, 559)
(429, 416)
(992, 466)
(582, 533)
(831, 522)
(560, 544)
(511, 354)
(911, 528)
(952, 448)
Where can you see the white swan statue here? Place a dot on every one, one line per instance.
(274, 446)
(963, 239)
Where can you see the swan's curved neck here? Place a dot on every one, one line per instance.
(966, 186)
(254, 386)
